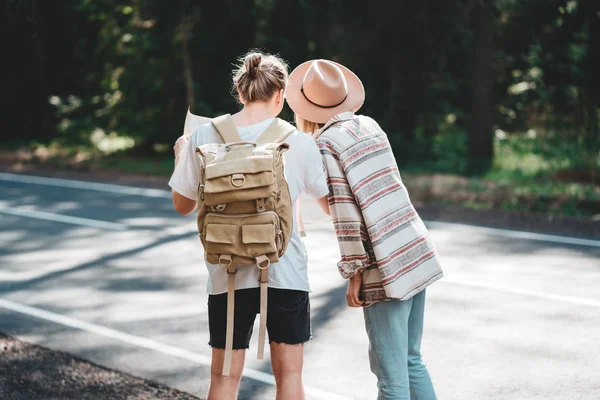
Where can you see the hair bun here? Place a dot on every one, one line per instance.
(252, 64)
(258, 76)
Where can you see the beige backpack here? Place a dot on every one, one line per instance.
(244, 209)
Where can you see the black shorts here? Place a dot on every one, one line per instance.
(288, 317)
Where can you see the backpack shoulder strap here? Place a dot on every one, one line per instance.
(226, 128)
(276, 132)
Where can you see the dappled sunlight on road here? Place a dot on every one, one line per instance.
(494, 309)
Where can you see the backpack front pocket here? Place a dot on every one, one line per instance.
(242, 235)
(222, 238)
(259, 239)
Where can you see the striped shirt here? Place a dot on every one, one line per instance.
(379, 231)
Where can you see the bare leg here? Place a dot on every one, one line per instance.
(287, 360)
(225, 387)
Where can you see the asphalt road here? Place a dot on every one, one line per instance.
(114, 275)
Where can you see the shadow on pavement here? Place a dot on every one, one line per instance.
(101, 261)
(333, 300)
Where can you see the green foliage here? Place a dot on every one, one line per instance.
(101, 76)
(445, 152)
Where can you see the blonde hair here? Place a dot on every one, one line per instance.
(306, 126)
(259, 76)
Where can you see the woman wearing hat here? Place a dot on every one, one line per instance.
(386, 251)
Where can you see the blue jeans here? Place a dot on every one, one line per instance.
(395, 329)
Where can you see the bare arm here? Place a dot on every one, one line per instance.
(323, 203)
(182, 204)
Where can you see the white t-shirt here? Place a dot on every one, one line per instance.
(304, 174)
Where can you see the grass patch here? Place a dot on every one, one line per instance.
(527, 175)
(156, 166)
(87, 158)
(545, 173)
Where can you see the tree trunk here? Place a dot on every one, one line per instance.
(42, 118)
(185, 27)
(406, 89)
(408, 59)
(403, 100)
(427, 129)
(481, 146)
(591, 9)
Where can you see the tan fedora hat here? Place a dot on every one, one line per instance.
(320, 89)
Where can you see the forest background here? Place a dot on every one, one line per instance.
(490, 104)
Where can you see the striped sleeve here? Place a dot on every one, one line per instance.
(350, 228)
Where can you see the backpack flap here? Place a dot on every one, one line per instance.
(242, 179)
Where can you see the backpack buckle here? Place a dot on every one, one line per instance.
(219, 207)
(263, 262)
(238, 180)
(225, 261)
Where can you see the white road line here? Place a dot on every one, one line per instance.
(580, 301)
(99, 187)
(158, 193)
(517, 234)
(66, 219)
(151, 345)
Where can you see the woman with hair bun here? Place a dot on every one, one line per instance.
(259, 85)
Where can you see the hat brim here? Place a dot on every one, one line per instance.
(311, 112)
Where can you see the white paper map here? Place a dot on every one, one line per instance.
(192, 122)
